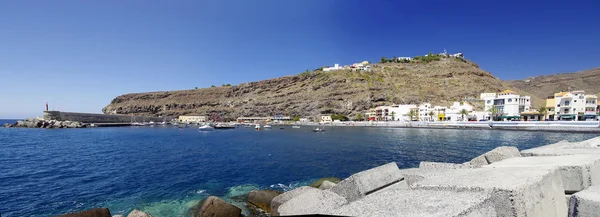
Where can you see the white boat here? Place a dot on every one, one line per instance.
(257, 127)
(296, 127)
(151, 123)
(206, 127)
(268, 126)
(137, 124)
(319, 129)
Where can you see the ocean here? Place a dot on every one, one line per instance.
(166, 170)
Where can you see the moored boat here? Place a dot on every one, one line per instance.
(206, 127)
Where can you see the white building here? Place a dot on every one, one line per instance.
(393, 112)
(453, 113)
(574, 105)
(405, 58)
(423, 112)
(335, 67)
(509, 103)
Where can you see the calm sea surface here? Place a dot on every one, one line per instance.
(165, 170)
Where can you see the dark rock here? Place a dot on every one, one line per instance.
(138, 213)
(7, 125)
(262, 198)
(214, 206)
(317, 184)
(98, 212)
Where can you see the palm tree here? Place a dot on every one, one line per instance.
(411, 114)
(495, 111)
(464, 112)
(431, 114)
(544, 111)
(393, 115)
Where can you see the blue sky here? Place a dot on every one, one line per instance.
(79, 55)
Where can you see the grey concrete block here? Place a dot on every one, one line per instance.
(495, 155)
(414, 175)
(479, 161)
(578, 172)
(585, 203)
(536, 191)
(368, 181)
(421, 203)
(590, 146)
(138, 213)
(312, 202)
(286, 196)
(440, 165)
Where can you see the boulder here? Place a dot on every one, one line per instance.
(368, 181)
(438, 165)
(138, 213)
(495, 155)
(7, 125)
(421, 203)
(286, 196)
(578, 172)
(118, 216)
(20, 124)
(326, 185)
(585, 203)
(98, 212)
(262, 198)
(214, 206)
(536, 191)
(590, 146)
(317, 184)
(312, 202)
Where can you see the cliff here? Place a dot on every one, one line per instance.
(312, 93)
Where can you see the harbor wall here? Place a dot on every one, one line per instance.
(97, 118)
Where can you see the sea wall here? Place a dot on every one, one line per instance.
(97, 118)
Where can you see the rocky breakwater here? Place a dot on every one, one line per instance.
(48, 124)
(560, 179)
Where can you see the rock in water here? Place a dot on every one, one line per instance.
(262, 198)
(326, 185)
(7, 125)
(317, 184)
(214, 206)
(138, 213)
(98, 212)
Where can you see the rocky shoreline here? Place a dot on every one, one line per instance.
(47, 124)
(561, 179)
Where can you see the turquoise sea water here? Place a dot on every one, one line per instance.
(166, 170)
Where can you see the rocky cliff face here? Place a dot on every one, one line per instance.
(309, 94)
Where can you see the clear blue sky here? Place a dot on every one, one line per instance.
(79, 55)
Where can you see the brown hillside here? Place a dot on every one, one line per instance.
(547, 85)
(309, 94)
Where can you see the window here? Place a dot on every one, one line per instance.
(574, 100)
(489, 101)
(581, 97)
(509, 100)
(527, 100)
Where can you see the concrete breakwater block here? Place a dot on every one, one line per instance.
(440, 165)
(368, 181)
(326, 185)
(590, 146)
(414, 175)
(423, 203)
(495, 155)
(585, 203)
(98, 212)
(312, 202)
(515, 191)
(286, 196)
(578, 172)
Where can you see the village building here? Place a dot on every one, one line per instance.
(573, 105)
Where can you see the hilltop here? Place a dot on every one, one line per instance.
(347, 92)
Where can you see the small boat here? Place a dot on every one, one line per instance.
(319, 130)
(268, 126)
(137, 124)
(296, 127)
(224, 126)
(151, 123)
(206, 127)
(257, 127)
